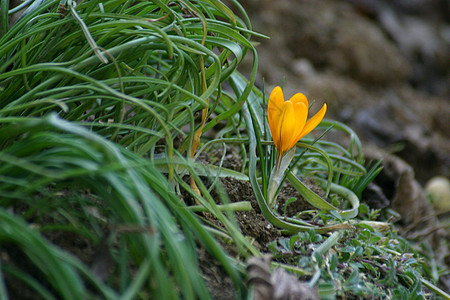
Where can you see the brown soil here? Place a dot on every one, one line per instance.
(253, 225)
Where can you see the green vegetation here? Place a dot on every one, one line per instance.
(101, 108)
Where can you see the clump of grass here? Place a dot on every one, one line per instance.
(123, 206)
(93, 97)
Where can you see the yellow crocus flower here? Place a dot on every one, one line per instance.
(288, 119)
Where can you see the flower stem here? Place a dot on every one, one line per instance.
(277, 175)
(273, 182)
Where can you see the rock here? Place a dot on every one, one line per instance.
(331, 35)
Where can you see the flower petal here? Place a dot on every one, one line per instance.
(287, 119)
(276, 101)
(288, 126)
(301, 114)
(299, 97)
(274, 113)
(293, 121)
(313, 122)
(275, 127)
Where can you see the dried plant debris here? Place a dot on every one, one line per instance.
(278, 285)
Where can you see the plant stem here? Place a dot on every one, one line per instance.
(236, 206)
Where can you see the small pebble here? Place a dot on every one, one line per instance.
(438, 189)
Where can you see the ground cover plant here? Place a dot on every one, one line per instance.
(125, 129)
